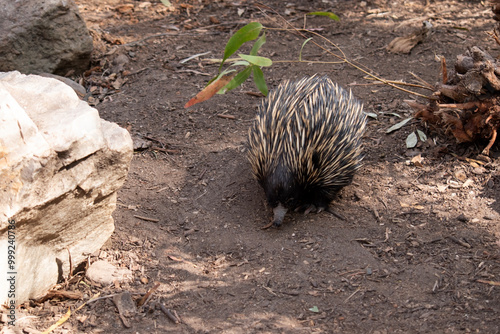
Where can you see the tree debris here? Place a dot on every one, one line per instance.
(466, 105)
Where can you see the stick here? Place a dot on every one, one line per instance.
(488, 282)
(459, 242)
(148, 294)
(164, 150)
(67, 315)
(444, 70)
(226, 116)
(169, 314)
(486, 150)
(154, 220)
(70, 274)
(466, 105)
(343, 57)
(355, 292)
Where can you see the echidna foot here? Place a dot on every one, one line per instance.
(313, 208)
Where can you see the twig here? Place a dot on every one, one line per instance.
(154, 139)
(459, 242)
(169, 314)
(154, 220)
(148, 294)
(269, 290)
(488, 282)
(486, 150)
(109, 296)
(194, 72)
(226, 116)
(343, 57)
(67, 315)
(466, 105)
(103, 297)
(355, 292)
(494, 36)
(425, 84)
(164, 150)
(444, 70)
(138, 71)
(70, 274)
(257, 94)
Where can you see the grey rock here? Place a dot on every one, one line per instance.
(43, 35)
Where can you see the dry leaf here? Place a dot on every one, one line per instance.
(467, 183)
(407, 43)
(417, 160)
(210, 90)
(442, 188)
(173, 258)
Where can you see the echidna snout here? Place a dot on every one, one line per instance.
(279, 214)
(305, 144)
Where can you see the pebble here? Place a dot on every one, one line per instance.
(105, 273)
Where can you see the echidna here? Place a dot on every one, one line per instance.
(305, 144)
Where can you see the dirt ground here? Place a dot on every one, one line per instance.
(419, 251)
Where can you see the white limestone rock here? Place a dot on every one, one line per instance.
(60, 168)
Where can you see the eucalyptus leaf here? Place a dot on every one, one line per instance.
(421, 135)
(220, 75)
(372, 115)
(411, 140)
(314, 309)
(237, 80)
(240, 63)
(256, 60)
(399, 125)
(258, 44)
(327, 14)
(303, 44)
(260, 82)
(248, 33)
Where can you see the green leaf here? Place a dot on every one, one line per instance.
(240, 63)
(314, 309)
(260, 82)
(217, 77)
(303, 44)
(398, 125)
(421, 135)
(411, 140)
(237, 80)
(249, 32)
(256, 60)
(166, 3)
(328, 14)
(258, 44)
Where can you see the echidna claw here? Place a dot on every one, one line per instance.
(338, 215)
(311, 208)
